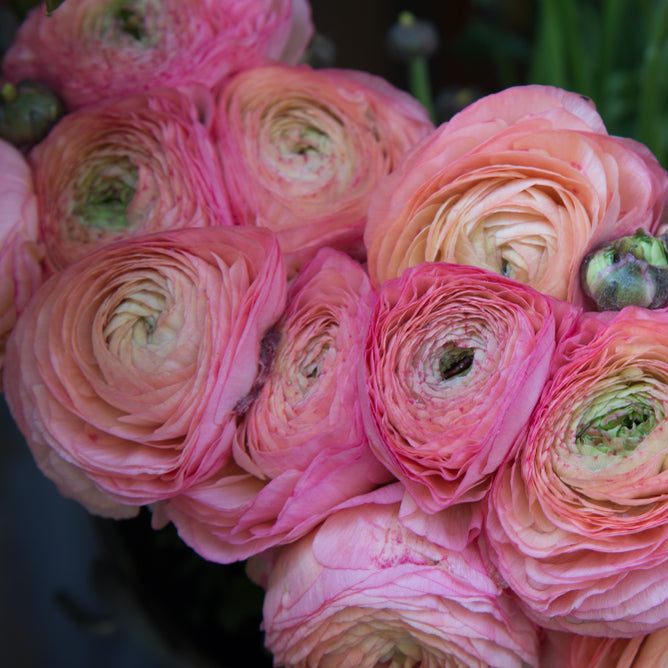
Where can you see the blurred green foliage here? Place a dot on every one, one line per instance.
(616, 53)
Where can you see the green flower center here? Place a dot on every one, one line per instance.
(617, 424)
(129, 20)
(106, 191)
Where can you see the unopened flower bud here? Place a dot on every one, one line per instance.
(411, 37)
(631, 271)
(28, 110)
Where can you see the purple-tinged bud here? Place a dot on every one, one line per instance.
(630, 271)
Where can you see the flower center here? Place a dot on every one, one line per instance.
(304, 146)
(304, 149)
(314, 361)
(128, 21)
(454, 361)
(398, 660)
(616, 425)
(137, 316)
(106, 191)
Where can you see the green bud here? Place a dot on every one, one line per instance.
(411, 37)
(631, 271)
(28, 110)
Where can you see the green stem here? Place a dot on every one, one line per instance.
(574, 51)
(420, 84)
(612, 13)
(548, 57)
(651, 84)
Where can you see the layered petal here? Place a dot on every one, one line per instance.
(302, 149)
(455, 360)
(577, 523)
(141, 164)
(522, 183)
(90, 50)
(21, 252)
(641, 652)
(127, 365)
(300, 448)
(365, 589)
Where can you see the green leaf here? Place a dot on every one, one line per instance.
(52, 5)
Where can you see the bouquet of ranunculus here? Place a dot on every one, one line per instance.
(416, 375)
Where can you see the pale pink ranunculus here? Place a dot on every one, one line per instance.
(124, 370)
(577, 523)
(365, 589)
(300, 448)
(455, 360)
(90, 50)
(523, 183)
(135, 165)
(302, 149)
(650, 651)
(21, 252)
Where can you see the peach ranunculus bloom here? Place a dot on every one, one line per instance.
(21, 252)
(577, 523)
(302, 149)
(134, 165)
(89, 50)
(370, 587)
(124, 370)
(650, 651)
(300, 448)
(455, 360)
(523, 183)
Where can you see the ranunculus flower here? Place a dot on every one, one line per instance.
(300, 448)
(522, 183)
(455, 360)
(366, 589)
(302, 150)
(21, 253)
(89, 50)
(124, 370)
(650, 651)
(577, 523)
(136, 165)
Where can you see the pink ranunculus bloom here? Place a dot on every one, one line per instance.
(577, 523)
(365, 589)
(124, 370)
(90, 50)
(300, 448)
(455, 360)
(135, 165)
(650, 651)
(302, 150)
(523, 183)
(21, 252)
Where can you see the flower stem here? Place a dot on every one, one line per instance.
(420, 83)
(649, 118)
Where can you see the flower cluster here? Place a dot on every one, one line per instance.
(281, 310)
